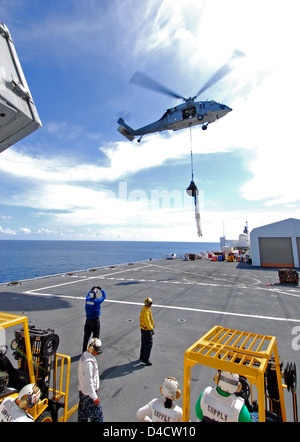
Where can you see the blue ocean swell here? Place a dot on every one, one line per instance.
(21, 260)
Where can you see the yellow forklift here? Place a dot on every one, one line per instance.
(254, 357)
(39, 363)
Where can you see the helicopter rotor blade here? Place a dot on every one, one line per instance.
(224, 70)
(143, 80)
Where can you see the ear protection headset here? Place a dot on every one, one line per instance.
(169, 389)
(148, 302)
(29, 396)
(217, 377)
(96, 345)
(228, 382)
(94, 292)
(23, 403)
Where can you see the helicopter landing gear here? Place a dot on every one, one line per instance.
(139, 140)
(204, 127)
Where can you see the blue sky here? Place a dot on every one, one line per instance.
(78, 178)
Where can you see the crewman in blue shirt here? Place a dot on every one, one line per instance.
(93, 311)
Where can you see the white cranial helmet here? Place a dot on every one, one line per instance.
(229, 382)
(170, 389)
(96, 344)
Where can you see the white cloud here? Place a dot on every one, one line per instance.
(75, 194)
(263, 92)
(44, 231)
(7, 231)
(25, 230)
(124, 159)
(44, 169)
(274, 134)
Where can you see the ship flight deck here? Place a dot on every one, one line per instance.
(189, 298)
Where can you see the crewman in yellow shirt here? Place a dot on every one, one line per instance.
(147, 331)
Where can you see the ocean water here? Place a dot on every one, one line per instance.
(20, 260)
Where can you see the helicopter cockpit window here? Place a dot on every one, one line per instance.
(189, 112)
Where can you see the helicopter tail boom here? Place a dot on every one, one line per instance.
(125, 130)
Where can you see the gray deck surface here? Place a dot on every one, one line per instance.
(189, 298)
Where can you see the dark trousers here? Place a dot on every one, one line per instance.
(87, 410)
(146, 345)
(91, 327)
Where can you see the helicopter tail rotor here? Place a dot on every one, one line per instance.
(125, 130)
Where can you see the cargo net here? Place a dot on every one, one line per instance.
(288, 276)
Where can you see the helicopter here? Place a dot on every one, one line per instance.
(189, 113)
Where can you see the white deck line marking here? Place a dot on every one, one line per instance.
(171, 307)
(82, 280)
(206, 284)
(110, 276)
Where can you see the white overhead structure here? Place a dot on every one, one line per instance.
(276, 244)
(18, 114)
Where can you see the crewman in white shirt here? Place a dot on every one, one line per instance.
(163, 409)
(14, 410)
(88, 384)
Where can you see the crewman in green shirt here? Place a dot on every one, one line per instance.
(220, 404)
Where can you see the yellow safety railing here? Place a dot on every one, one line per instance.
(60, 363)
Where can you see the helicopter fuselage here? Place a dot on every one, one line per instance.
(182, 116)
(193, 113)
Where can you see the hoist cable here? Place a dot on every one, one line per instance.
(191, 146)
